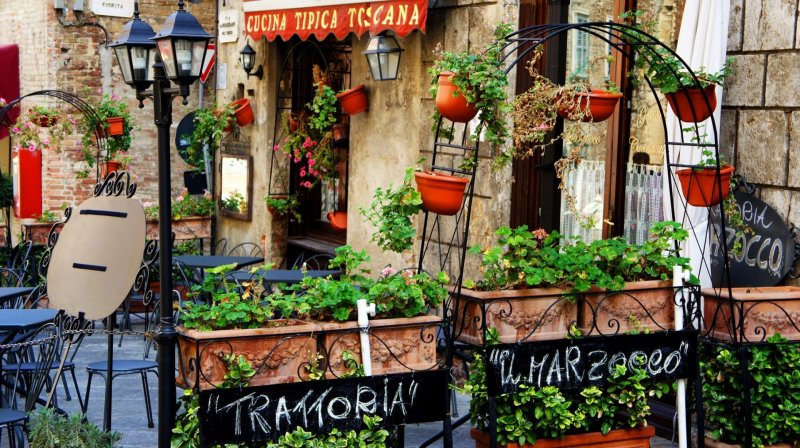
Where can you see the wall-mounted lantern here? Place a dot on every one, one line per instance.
(249, 61)
(383, 56)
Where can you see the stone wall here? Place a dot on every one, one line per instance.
(760, 127)
(75, 59)
(392, 135)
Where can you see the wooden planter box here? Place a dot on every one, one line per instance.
(37, 232)
(763, 311)
(396, 345)
(278, 354)
(711, 443)
(514, 313)
(618, 438)
(186, 228)
(648, 304)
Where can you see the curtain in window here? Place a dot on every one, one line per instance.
(643, 201)
(585, 183)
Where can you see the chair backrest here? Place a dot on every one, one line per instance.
(11, 277)
(220, 247)
(314, 263)
(247, 250)
(20, 256)
(41, 357)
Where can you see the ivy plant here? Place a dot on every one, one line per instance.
(49, 429)
(371, 435)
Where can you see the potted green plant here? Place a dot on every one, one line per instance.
(210, 125)
(465, 84)
(114, 120)
(546, 417)
(27, 135)
(39, 231)
(402, 336)
(371, 435)
(391, 211)
(191, 216)
(774, 394)
(531, 282)
(234, 321)
(284, 205)
(49, 429)
(707, 184)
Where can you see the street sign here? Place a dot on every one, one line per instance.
(208, 62)
(112, 8)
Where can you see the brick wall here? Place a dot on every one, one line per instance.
(75, 59)
(761, 112)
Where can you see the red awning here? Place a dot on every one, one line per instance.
(285, 18)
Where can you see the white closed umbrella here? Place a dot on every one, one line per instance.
(702, 42)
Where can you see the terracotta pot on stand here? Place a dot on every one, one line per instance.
(354, 101)
(690, 105)
(243, 112)
(701, 188)
(450, 103)
(601, 105)
(441, 193)
(109, 167)
(115, 126)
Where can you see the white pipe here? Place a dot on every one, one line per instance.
(680, 402)
(364, 311)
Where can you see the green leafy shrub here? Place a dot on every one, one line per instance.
(523, 258)
(282, 205)
(107, 106)
(774, 370)
(209, 128)
(370, 436)
(49, 429)
(391, 211)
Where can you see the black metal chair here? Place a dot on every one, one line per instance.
(246, 250)
(123, 367)
(314, 263)
(219, 247)
(31, 383)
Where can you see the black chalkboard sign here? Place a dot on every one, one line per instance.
(259, 414)
(578, 363)
(767, 252)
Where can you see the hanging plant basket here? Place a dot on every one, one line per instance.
(354, 101)
(109, 167)
(689, 105)
(243, 112)
(701, 187)
(441, 193)
(43, 121)
(601, 105)
(115, 126)
(450, 103)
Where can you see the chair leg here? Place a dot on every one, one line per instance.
(66, 387)
(77, 389)
(88, 390)
(147, 400)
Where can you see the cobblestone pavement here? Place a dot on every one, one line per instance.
(128, 408)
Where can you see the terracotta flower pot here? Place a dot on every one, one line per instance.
(601, 104)
(758, 312)
(450, 103)
(338, 219)
(647, 304)
(701, 188)
(242, 111)
(341, 133)
(441, 193)
(109, 167)
(396, 345)
(689, 105)
(115, 126)
(186, 228)
(354, 101)
(711, 443)
(627, 438)
(515, 314)
(278, 353)
(38, 232)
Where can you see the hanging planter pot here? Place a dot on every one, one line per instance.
(41, 120)
(689, 105)
(450, 103)
(354, 101)
(341, 135)
(115, 126)
(701, 187)
(111, 166)
(243, 112)
(338, 219)
(195, 181)
(441, 193)
(601, 105)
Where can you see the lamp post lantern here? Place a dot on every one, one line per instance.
(248, 56)
(181, 44)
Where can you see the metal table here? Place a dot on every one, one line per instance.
(212, 261)
(9, 293)
(15, 321)
(288, 276)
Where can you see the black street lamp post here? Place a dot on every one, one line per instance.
(182, 44)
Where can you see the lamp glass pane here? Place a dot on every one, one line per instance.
(198, 52)
(247, 62)
(165, 48)
(139, 61)
(183, 57)
(151, 60)
(124, 63)
(393, 64)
